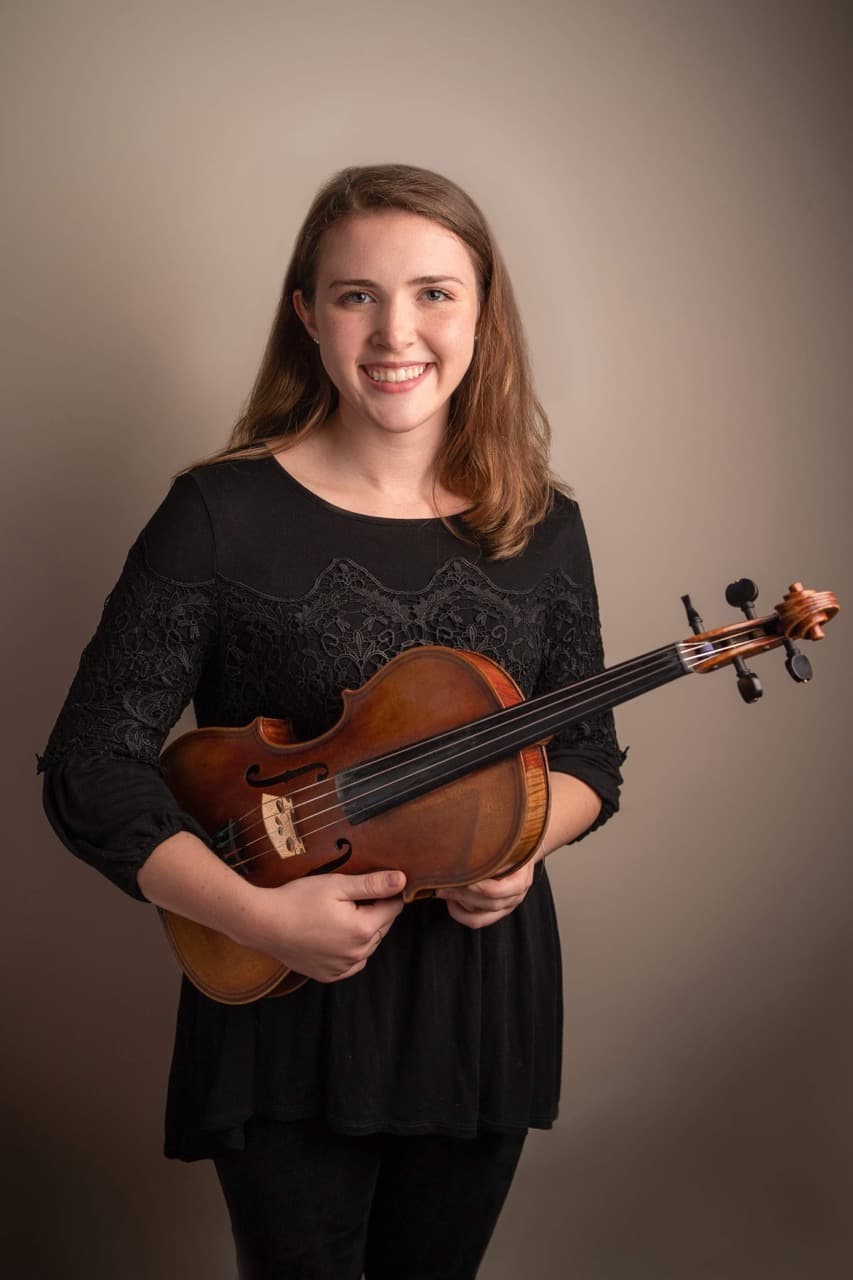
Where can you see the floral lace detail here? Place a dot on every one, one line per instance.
(241, 653)
(293, 657)
(139, 670)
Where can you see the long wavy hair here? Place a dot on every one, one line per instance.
(495, 449)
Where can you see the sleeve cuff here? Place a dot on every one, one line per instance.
(599, 771)
(112, 814)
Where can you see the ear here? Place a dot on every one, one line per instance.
(305, 312)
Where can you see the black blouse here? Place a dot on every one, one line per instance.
(249, 595)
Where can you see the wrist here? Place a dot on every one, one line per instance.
(249, 916)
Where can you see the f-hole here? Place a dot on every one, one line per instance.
(274, 779)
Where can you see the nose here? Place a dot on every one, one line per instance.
(395, 325)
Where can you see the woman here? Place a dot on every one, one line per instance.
(387, 486)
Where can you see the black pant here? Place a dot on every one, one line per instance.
(310, 1204)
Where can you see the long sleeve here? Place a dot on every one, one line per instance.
(103, 791)
(573, 650)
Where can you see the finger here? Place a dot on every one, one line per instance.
(378, 914)
(471, 900)
(474, 919)
(497, 891)
(377, 939)
(376, 884)
(492, 885)
(516, 881)
(344, 973)
(484, 891)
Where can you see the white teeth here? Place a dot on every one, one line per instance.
(395, 375)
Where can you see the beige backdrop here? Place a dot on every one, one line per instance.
(671, 185)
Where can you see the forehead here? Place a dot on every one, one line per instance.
(392, 243)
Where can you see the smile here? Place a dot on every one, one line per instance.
(382, 374)
(401, 379)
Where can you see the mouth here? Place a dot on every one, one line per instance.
(395, 378)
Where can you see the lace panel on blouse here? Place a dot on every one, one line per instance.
(295, 656)
(139, 670)
(246, 654)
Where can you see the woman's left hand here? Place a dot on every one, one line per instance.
(488, 901)
(574, 808)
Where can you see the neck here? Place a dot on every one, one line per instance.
(373, 471)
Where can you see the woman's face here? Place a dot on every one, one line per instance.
(395, 310)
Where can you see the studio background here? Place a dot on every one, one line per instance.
(670, 185)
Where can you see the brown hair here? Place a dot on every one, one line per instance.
(495, 451)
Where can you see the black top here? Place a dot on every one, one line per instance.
(252, 596)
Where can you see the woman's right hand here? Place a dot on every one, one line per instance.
(325, 926)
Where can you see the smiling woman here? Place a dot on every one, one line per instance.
(492, 414)
(394, 344)
(387, 487)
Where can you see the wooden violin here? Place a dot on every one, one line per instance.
(436, 767)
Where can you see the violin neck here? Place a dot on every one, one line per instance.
(438, 760)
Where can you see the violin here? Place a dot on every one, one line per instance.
(436, 767)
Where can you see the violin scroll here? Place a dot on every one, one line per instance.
(803, 613)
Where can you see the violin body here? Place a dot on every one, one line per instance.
(272, 806)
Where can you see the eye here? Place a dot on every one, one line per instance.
(442, 295)
(357, 296)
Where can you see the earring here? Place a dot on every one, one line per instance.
(317, 340)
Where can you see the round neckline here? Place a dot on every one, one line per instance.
(355, 515)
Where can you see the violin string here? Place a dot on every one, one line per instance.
(626, 688)
(700, 653)
(387, 761)
(304, 817)
(486, 721)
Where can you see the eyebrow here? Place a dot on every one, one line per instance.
(372, 284)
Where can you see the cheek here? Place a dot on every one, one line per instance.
(345, 330)
(454, 334)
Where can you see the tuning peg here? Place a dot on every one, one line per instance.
(743, 595)
(748, 683)
(696, 623)
(797, 664)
